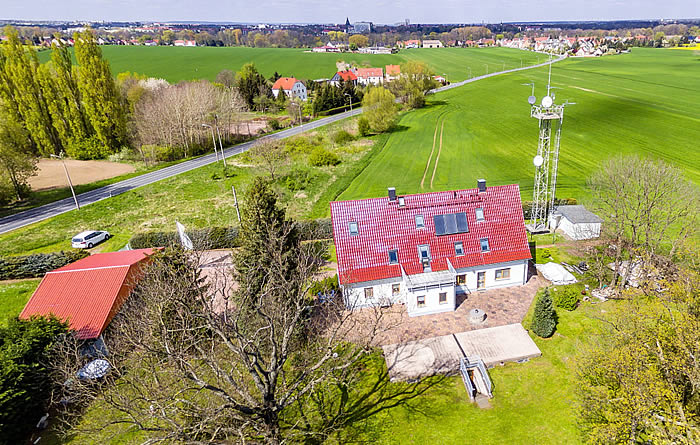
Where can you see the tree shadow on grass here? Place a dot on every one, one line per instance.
(398, 129)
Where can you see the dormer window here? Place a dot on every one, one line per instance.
(479, 214)
(393, 256)
(484, 244)
(402, 201)
(353, 228)
(459, 249)
(420, 223)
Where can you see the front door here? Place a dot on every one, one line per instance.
(480, 280)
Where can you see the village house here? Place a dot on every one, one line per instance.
(369, 76)
(343, 76)
(184, 43)
(293, 88)
(89, 292)
(392, 72)
(432, 44)
(576, 222)
(375, 50)
(422, 250)
(409, 44)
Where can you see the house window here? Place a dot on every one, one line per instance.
(395, 289)
(369, 293)
(443, 298)
(402, 201)
(419, 222)
(461, 280)
(424, 253)
(420, 301)
(503, 274)
(353, 228)
(484, 244)
(479, 214)
(459, 249)
(481, 280)
(393, 256)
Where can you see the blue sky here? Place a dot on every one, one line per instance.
(334, 11)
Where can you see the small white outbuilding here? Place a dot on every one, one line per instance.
(576, 222)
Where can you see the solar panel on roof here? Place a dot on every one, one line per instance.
(450, 223)
(439, 221)
(462, 226)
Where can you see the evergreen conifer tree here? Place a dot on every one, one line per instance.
(544, 320)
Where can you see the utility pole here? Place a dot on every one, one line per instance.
(221, 146)
(235, 202)
(70, 183)
(213, 138)
(349, 100)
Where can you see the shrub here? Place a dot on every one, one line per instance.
(342, 137)
(274, 124)
(567, 297)
(300, 144)
(545, 253)
(321, 157)
(363, 126)
(36, 265)
(230, 171)
(215, 176)
(325, 286)
(210, 238)
(298, 179)
(315, 229)
(545, 318)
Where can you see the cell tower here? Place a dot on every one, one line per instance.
(550, 117)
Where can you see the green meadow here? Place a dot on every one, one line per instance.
(178, 63)
(643, 103)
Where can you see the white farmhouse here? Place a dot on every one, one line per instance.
(369, 76)
(575, 221)
(422, 250)
(432, 44)
(292, 88)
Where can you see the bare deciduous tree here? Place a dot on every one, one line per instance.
(649, 209)
(270, 154)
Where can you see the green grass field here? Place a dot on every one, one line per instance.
(13, 296)
(177, 63)
(641, 103)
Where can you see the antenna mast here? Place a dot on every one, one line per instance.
(550, 117)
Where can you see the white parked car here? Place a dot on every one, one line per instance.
(90, 238)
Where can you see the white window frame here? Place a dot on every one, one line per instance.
(481, 245)
(422, 222)
(370, 291)
(419, 303)
(476, 213)
(440, 298)
(357, 228)
(459, 252)
(461, 277)
(395, 289)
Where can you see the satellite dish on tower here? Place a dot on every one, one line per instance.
(547, 101)
(538, 161)
(531, 100)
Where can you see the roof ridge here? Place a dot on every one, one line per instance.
(89, 268)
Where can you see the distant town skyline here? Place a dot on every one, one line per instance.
(377, 11)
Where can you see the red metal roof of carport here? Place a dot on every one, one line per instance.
(89, 292)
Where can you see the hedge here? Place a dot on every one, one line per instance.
(225, 237)
(36, 265)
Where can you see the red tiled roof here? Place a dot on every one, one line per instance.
(346, 75)
(369, 72)
(89, 292)
(287, 83)
(383, 225)
(393, 70)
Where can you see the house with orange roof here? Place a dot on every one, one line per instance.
(343, 76)
(292, 87)
(392, 72)
(369, 76)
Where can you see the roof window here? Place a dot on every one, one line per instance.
(354, 230)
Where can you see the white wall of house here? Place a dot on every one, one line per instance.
(517, 276)
(298, 90)
(374, 80)
(432, 303)
(383, 290)
(579, 231)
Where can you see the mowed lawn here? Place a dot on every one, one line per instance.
(13, 296)
(641, 103)
(178, 63)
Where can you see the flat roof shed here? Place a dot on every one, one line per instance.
(90, 292)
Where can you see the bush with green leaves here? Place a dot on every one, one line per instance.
(363, 127)
(274, 124)
(544, 320)
(37, 264)
(342, 137)
(325, 286)
(87, 148)
(298, 179)
(321, 157)
(301, 144)
(25, 383)
(566, 297)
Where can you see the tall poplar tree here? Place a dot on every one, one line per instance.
(21, 88)
(105, 108)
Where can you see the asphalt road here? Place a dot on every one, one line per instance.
(41, 213)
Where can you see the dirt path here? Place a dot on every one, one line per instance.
(427, 165)
(437, 159)
(51, 173)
